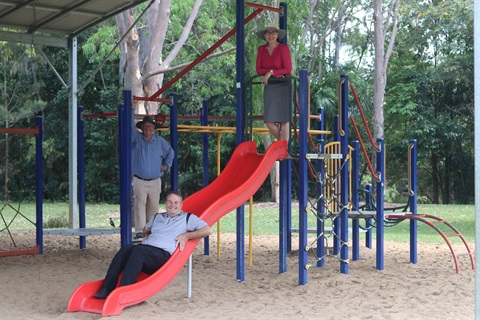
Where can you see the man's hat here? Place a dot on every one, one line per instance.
(150, 120)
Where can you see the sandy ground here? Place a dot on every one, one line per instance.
(39, 286)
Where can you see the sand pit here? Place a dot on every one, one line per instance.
(39, 286)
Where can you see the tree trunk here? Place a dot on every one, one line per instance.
(149, 61)
(435, 179)
(448, 166)
(338, 38)
(381, 61)
(381, 58)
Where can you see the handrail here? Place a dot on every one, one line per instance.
(340, 129)
(409, 156)
(359, 106)
(362, 145)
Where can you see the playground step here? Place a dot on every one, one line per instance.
(323, 156)
(451, 235)
(464, 254)
(80, 232)
(326, 230)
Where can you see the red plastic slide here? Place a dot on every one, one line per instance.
(241, 178)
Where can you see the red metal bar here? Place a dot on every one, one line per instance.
(199, 59)
(259, 6)
(166, 100)
(423, 218)
(19, 131)
(370, 167)
(35, 250)
(100, 115)
(359, 106)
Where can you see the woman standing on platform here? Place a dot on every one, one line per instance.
(273, 60)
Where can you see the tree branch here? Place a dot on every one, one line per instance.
(186, 30)
(183, 65)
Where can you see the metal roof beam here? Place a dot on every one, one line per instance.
(111, 14)
(14, 8)
(34, 39)
(57, 16)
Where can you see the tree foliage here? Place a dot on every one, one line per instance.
(428, 97)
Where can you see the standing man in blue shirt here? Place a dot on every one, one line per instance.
(152, 156)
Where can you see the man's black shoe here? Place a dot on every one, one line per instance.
(102, 293)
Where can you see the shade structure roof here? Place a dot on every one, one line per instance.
(53, 22)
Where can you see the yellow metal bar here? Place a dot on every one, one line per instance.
(212, 129)
(219, 138)
(250, 234)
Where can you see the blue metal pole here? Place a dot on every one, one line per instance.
(283, 216)
(321, 190)
(174, 141)
(240, 128)
(380, 204)
(344, 177)
(336, 222)
(413, 201)
(283, 20)
(368, 202)
(355, 200)
(204, 122)
(81, 174)
(285, 182)
(125, 119)
(303, 177)
(39, 183)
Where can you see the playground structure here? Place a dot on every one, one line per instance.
(38, 248)
(231, 189)
(243, 175)
(345, 197)
(234, 186)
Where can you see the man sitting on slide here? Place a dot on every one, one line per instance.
(161, 236)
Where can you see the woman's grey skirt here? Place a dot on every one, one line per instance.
(277, 102)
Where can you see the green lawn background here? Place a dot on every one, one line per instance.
(265, 219)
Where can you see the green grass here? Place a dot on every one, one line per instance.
(56, 214)
(265, 220)
(461, 216)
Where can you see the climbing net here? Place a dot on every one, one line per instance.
(9, 213)
(326, 209)
(16, 224)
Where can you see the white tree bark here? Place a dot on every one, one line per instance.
(382, 56)
(153, 63)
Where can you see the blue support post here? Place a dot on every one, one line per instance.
(355, 200)
(204, 135)
(240, 127)
(303, 177)
(413, 200)
(283, 20)
(285, 167)
(336, 222)
(285, 208)
(174, 141)
(343, 126)
(368, 202)
(321, 190)
(39, 183)
(125, 119)
(81, 175)
(380, 205)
